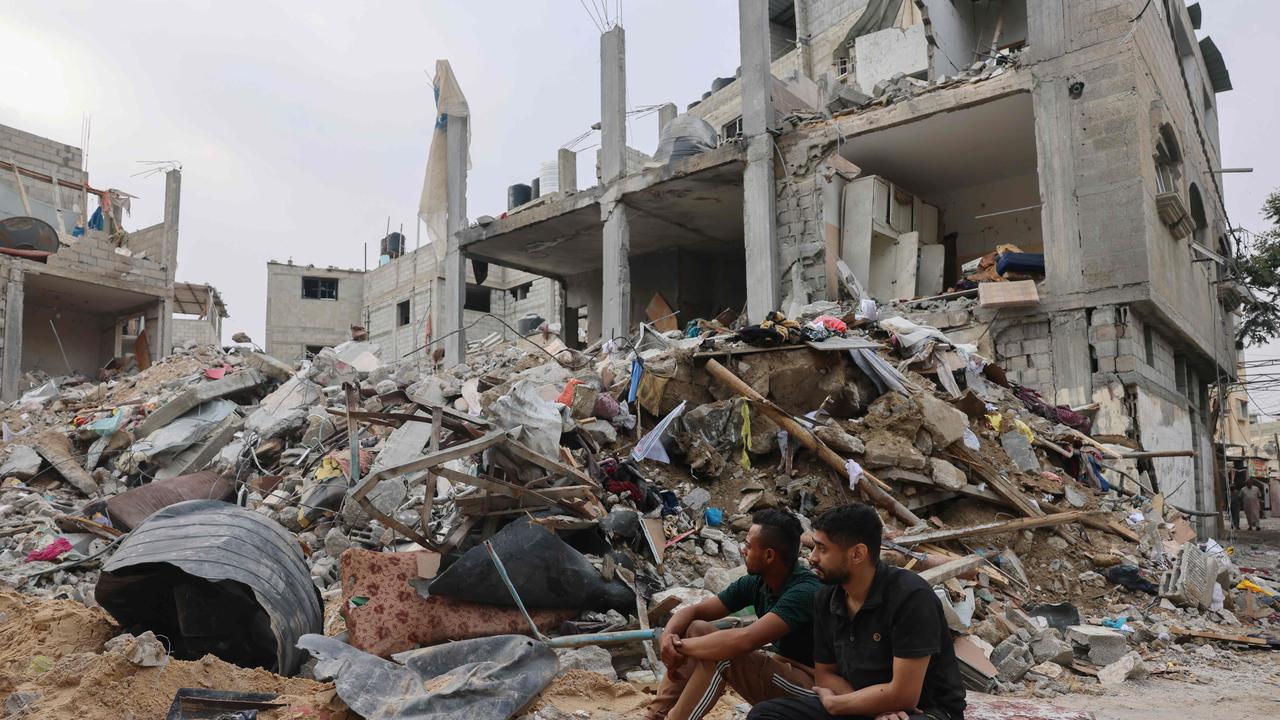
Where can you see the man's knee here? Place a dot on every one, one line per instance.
(790, 708)
(698, 628)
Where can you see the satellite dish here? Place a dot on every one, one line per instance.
(28, 233)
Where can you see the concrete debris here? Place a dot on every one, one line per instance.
(446, 459)
(592, 658)
(1099, 645)
(1128, 667)
(145, 650)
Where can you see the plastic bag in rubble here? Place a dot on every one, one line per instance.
(683, 137)
(536, 421)
(650, 446)
(546, 572)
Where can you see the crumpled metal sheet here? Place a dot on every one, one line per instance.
(216, 541)
(445, 682)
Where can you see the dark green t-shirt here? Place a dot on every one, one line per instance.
(793, 603)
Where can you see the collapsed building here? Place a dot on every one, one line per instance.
(79, 293)
(906, 140)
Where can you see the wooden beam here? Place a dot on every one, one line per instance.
(870, 488)
(951, 569)
(993, 528)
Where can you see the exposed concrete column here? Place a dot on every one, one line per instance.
(1072, 371)
(453, 298)
(616, 310)
(1059, 216)
(759, 202)
(567, 170)
(172, 203)
(666, 114)
(11, 363)
(802, 37)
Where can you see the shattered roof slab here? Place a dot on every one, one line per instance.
(694, 202)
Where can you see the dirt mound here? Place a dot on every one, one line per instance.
(35, 633)
(107, 686)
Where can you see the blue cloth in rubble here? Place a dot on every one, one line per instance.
(96, 221)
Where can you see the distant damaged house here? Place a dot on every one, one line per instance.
(885, 148)
(78, 292)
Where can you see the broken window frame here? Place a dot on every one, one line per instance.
(731, 129)
(318, 287)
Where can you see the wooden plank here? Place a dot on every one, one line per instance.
(993, 528)
(951, 569)
(1002, 487)
(1208, 635)
(871, 488)
(660, 314)
(1014, 294)
(555, 467)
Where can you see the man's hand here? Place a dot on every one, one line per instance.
(671, 655)
(898, 715)
(831, 702)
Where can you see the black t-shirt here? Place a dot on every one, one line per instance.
(794, 603)
(900, 618)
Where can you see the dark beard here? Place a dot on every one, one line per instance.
(831, 579)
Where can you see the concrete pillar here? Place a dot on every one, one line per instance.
(666, 114)
(759, 202)
(453, 298)
(11, 363)
(172, 203)
(1059, 216)
(802, 37)
(1069, 344)
(567, 170)
(616, 310)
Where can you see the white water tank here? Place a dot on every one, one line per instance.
(549, 177)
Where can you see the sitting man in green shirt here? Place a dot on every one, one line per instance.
(701, 660)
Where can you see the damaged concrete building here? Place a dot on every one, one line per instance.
(79, 293)
(905, 139)
(309, 307)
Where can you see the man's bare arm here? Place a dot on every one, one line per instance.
(725, 644)
(902, 692)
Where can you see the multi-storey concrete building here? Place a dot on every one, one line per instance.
(74, 297)
(310, 307)
(1086, 131)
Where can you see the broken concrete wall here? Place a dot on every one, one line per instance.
(44, 156)
(960, 31)
(87, 340)
(1025, 351)
(829, 21)
(881, 55)
(187, 330)
(801, 248)
(1165, 424)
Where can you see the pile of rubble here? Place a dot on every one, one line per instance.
(329, 519)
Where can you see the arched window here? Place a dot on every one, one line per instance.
(1197, 215)
(1168, 160)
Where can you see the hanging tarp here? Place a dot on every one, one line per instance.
(433, 207)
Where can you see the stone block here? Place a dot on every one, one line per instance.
(199, 394)
(1126, 363)
(942, 420)
(1050, 647)
(592, 658)
(1053, 671)
(1019, 449)
(1099, 645)
(1128, 667)
(1012, 659)
(947, 475)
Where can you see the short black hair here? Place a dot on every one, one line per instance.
(848, 525)
(781, 531)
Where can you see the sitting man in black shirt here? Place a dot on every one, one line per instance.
(881, 644)
(702, 660)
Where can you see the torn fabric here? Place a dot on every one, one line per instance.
(433, 207)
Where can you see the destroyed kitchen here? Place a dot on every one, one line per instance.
(909, 373)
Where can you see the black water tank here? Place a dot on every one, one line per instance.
(518, 195)
(393, 245)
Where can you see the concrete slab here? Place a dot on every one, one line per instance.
(238, 382)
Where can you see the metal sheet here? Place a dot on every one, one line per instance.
(217, 541)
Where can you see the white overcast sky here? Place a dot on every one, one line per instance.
(302, 126)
